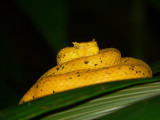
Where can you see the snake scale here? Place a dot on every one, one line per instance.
(83, 65)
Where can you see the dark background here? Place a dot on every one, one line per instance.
(33, 31)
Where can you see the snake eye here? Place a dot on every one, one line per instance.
(76, 46)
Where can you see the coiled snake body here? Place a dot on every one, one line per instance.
(84, 65)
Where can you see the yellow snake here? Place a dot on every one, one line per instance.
(83, 65)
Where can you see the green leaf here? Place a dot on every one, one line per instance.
(144, 110)
(108, 103)
(54, 102)
(155, 67)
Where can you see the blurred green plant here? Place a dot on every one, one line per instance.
(50, 17)
(156, 3)
(9, 68)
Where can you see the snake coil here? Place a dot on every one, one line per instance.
(83, 65)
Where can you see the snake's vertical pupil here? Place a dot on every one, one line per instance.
(76, 46)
